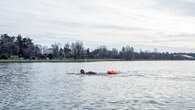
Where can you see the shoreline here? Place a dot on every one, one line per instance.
(74, 60)
(56, 60)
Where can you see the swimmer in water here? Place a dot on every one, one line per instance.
(82, 71)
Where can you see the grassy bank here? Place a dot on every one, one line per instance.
(57, 60)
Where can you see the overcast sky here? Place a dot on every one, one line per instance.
(147, 24)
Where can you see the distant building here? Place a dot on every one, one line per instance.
(188, 56)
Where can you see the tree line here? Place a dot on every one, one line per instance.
(14, 47)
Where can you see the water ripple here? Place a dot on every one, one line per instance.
(139, 86)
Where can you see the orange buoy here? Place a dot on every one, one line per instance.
(112, 71)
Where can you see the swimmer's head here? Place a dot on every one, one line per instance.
(82, 71)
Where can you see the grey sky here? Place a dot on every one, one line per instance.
(163, 24)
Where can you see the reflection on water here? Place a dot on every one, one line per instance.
(158, 85)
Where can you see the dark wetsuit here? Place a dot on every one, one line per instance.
(90, 72)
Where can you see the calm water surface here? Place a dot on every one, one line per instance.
(142, 85)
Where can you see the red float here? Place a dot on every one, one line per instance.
(112, 71)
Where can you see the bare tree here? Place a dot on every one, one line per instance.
(77, 49)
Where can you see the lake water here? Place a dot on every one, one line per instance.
(141, 85)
